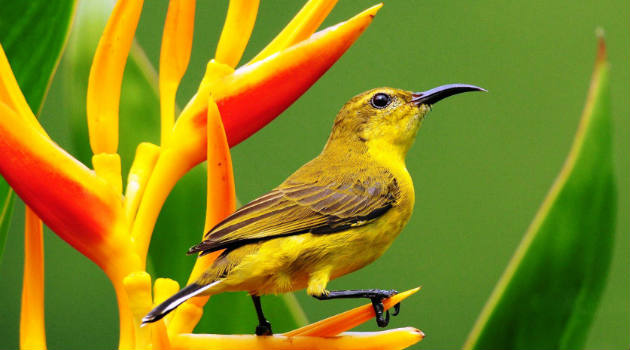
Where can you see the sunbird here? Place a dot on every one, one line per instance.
(336, 214)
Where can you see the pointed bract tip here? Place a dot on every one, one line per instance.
(601, 45)
(600, 32)
(411, 291)
(421, 333)
(371, 11)
(397, 298)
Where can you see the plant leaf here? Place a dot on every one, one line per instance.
(33, 34)
(549, 292)
(180, 223)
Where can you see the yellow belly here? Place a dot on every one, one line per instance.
(310, 260)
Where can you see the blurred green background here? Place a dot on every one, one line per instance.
(482, 163)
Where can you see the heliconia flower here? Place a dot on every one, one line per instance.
(88, 208)
(248, 99)
(329, 333)
(70, 198)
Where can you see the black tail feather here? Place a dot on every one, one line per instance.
(173, 302)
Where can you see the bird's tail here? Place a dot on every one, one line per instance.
(178, 298)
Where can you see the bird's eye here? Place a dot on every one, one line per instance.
(380, 100)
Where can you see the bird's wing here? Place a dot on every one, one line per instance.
(319, 206)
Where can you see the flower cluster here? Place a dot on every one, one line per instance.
(88, 207)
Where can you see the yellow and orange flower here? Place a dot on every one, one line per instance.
(87, 207)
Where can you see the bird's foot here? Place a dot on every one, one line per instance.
(375, 295)
(382, 315)
(264, 328)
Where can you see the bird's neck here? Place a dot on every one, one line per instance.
(380, 151)
(345, 149)
(388, 154)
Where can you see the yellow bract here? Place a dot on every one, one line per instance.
(237, 29)
(300, 28)
(114, 230)
(103, 94)
(386, 340)
(174, 58)
(325, 334)
(141, 169)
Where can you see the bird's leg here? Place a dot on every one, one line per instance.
(264, 327)
(375, 295)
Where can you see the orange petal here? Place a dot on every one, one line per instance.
(255, 94)
(75, 203)
(163, 288)
(237, 29)
(32, 331)
(221, 202)
(107, 167)
(301, 27)
(159, 337)
(138, 287)
(248, 99)
(126, 323)
(141, 169)
(221, 198)
(103, 94)
(186, 318)
(391, 339)
(174, 57)
(349, 319)
(170, 167)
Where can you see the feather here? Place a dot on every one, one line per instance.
(174, 301)
(308, 201)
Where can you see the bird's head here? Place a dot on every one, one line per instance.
(387, 117)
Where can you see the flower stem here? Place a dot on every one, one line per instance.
(32, 330)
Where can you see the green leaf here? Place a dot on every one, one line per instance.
(550, 290)
(33, 34)
(180, 223)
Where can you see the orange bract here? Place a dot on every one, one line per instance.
(87, 207)
(32, 331)
(174, 57)
(103, 94)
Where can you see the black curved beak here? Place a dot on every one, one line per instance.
(434, 95)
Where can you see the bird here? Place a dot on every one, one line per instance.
(334, 215)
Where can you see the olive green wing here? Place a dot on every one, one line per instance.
(319, 206)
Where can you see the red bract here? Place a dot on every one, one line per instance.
(87, 207)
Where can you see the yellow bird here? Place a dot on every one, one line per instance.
(334, 215)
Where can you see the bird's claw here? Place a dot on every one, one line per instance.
(397, 306)
(382, 315)
(264, 328)
(391, 293)
(396, 310)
